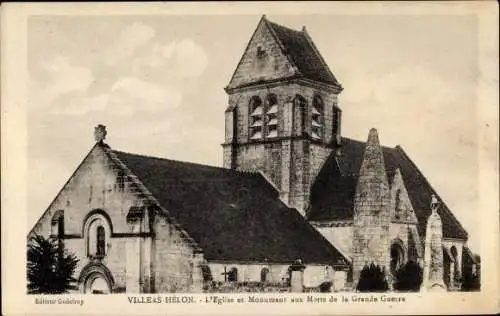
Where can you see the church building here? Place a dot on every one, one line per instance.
(296, 203)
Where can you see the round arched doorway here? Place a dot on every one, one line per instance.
(97, 284)
(397, 253)
(96, 279)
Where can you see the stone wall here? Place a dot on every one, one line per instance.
(174, 260)
(97, 185)
(290, 163)
(314, 274)
(372, 214)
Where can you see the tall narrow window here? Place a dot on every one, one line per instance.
(300, 105)
(263, 274)
(317, 118)
(60, 227)
(256, 118)
(101, 241)
(398, 204)
(337, 113)
(57, 224)
(272, 116)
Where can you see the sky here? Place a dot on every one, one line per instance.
(156, 82)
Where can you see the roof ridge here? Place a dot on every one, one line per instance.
(364, 142)
(323, 61)
(284, 27)
(246, 172)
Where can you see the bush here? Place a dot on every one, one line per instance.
(372, 279)
(409, 277)
(470, 281)
(50, 270)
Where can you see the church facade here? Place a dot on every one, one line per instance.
(296, 204)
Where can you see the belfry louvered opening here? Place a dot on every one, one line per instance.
(317, 118)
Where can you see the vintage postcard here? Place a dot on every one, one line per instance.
(250, 158)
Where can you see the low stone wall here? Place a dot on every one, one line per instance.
(248, 287)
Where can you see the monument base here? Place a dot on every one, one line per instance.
(433, 287)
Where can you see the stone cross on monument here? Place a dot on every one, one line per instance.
(433, 253)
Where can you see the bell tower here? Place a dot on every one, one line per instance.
(283, 118)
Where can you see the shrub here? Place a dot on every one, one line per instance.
(372, 279)
(409, 277)
(50, 270)
(470, 281)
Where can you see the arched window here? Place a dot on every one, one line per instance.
(397, 257)
(232, 275)
(317, 118)
(300, 115)
(454, 259)
(97, 232)
(271, 116)
(263, 274)
(101, 241)
(256, 118)
(454, 253)
(57, 224)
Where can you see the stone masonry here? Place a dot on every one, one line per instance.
(372, 214)
(292, 159)
(142, 255)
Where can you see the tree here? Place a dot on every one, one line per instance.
(50, 269)
(372, 279)
(409, 277)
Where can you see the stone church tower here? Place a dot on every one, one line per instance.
(283, 118)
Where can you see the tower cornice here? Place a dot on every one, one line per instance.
(298, 79)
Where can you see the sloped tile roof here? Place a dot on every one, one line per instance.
(332, 196)
(232, 215)
(303, 53)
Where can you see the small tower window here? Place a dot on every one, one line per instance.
(260, 52)
(272, 116)
(256, 118)
(317, 118)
